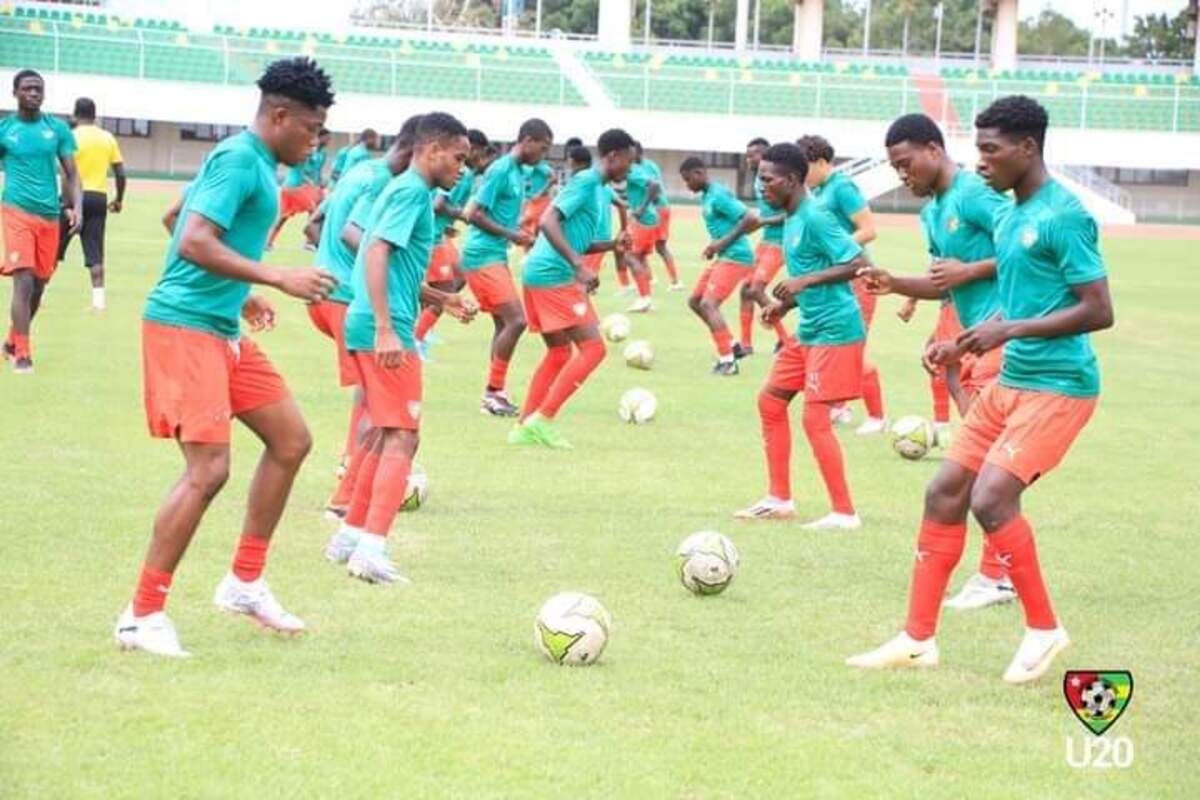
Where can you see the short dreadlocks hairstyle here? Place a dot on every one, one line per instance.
(298, 79)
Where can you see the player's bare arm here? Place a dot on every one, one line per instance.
(1093, 312)
(950, 272)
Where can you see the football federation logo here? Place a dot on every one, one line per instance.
(580, 309)
(1029, 237)
(1098, 697)
(952, 224)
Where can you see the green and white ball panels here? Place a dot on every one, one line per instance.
(911, 437)
(572, 628)
(706, 562)
(638, 406)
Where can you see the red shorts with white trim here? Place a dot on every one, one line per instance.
(30, 242)
(825, 373)
(393, 395)
(443, 263)
(556, 308)
(718, 281)
(329, 317)
(492, 286)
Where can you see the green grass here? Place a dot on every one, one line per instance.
(435, 690)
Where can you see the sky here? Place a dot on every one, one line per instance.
(1081, 11)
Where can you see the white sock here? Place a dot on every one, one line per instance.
(725, 359)
(372, 542)
(98, 297)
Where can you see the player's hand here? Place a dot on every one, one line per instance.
(307, 283)
(624, 243)
(389, 352)
(907, 310)
(984, 337)
(876, 280)
(73, 220)
(709, 252)
(948, 273)
(785, 291)
(461, 308)
(588, 279)
(259, 313)
(940, 354)
(773, 312)
(115, 206)
(522, 239)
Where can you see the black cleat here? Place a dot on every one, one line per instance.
(725, 368)
(740, 352)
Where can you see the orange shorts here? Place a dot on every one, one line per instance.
(768, 260)
(664, 224)
(442, 263)
(393, 395)
(948, 327)
(643, 237)
(976, 372)
(718, 281)
(866, 301)
(329, 317)
(299, 200)
(1024, 433)
(556, 308)
(825, 373)
(30, 242)
(531, 215)
(594, 262)
(492, 286)
(194, 383)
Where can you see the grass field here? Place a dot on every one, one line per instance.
(435, 690)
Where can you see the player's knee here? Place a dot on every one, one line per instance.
(694, 304)
(293, 448)
(991, 505)
(947, 496)
(208, 475)
(708, 306)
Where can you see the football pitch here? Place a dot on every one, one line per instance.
(436, 690)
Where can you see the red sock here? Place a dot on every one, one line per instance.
(591, 352)
(250, 557)
(939, 547)
(828, 453)
(642, 279)
(357, 410)
(543, 377)
(21, 345)
(151, 593)
(364, 481)
(1014, 547)
(746, 318)
(941, 396)
(343, 495)
(497, 375)
(871, 391)
(777, 442)
(723, 340)
(429, 317)
(622, 276)
(990, 565)
(387, 493)
(671, 271)
(781, 333)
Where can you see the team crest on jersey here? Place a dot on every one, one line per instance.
(1029, 237)
(47, 134)
(580, 309)
(414, 409)
(952, 224)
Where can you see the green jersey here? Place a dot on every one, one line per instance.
(501, 193)
(814, 241)
(771, 234)
(402, 216)
(637, 188)
(457, 197)
(1045, 246)
(656, 171)
(959, 224)
(537, 178)
(722, 212)
(30, 151)
(579, 207)
(841, 197)
(362, 183)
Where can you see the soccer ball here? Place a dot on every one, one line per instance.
(639, 354)
(637, 406)
(616, 327)
(572, 628)
(418, 489)
(1099, 699)
(912, 437)
(706, 562)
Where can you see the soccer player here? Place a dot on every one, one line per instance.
(642, 191)
(843, 199)
(97, 153)
(539, 182)
(768, 256)
(444, 273)
(346, 212)
(199, 373)
(579, 159)
(494, 212)
(825, 359)
(302, 185)
(346, 157)
(734, 262)
(388, 289)
(958, 221)
(663, 235)
(1053, 291)
(557, 283)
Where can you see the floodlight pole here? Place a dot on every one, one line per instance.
(646, 26)
(867, 30)
(939, 11)
(978, 31)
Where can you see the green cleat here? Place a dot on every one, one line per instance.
(547, 434)
(522, 434)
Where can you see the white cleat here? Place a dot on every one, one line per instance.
(768, 508)
(676, 287)
(834, 521)
(943, 434)
(374, 565)
(841, 415)
(901, 652)
(623, 291)
(981, 591)
(1035, 654)
(872, 426)
(255, 600)
(153, 633)
(641, 306)
(341, 545)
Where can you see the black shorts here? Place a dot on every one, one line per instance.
(91, 235)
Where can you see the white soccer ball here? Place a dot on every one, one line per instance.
(418, 489)
(639, 354)
(637, 406)
(572, 628)
(706, 562)
(911, 437)
(1099, 699)
(616, 327)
